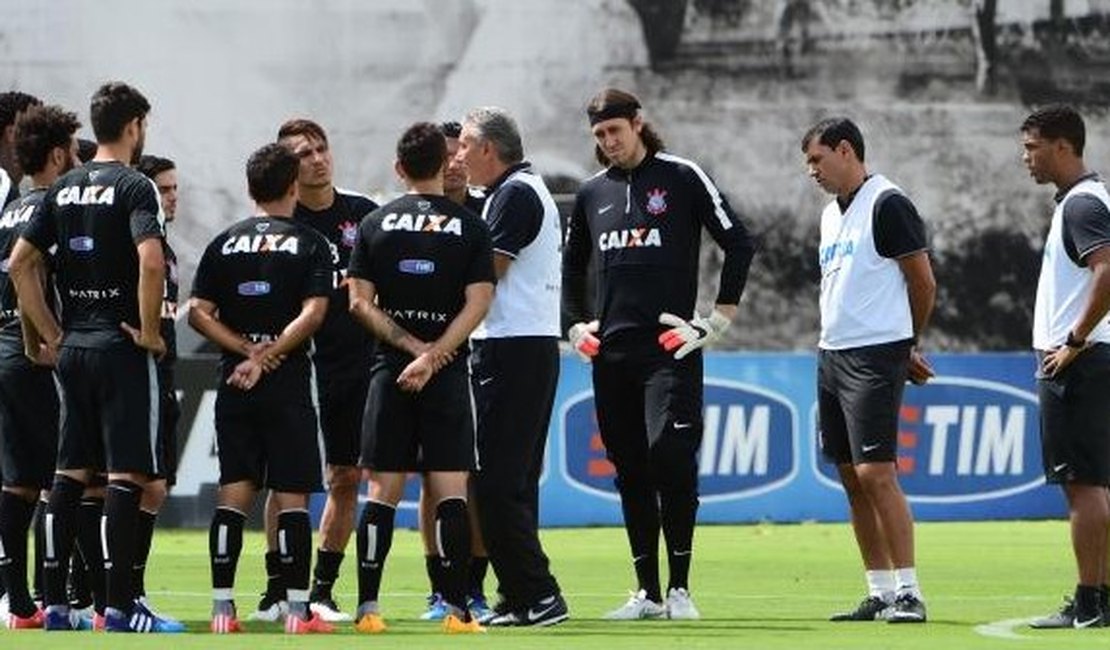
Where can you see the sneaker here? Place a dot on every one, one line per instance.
(452, 624)
(4, 609)
(680, 606)
(270, 609)
(908, 608)
(327, 609)
(139, 621)
(478, 607)
(96, 622)
(167, 624)
(32, 622)
(437, 608)
(639, 606)
(62, 618)
(551, 610)
(871, 608)
(224, 619)
(500, 609)
(1063, 619)
(369, 620)
(312, 625)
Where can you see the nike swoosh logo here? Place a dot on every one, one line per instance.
(535, 616)
(867, 448)
(1060, 467)
(483, 382)
(605, 209)
(683, 425)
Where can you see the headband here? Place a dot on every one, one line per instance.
(627, 110)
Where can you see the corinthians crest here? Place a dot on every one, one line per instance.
(657, 201)
(349, 231)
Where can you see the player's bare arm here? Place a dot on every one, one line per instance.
(479, 295)
(364, 308)
(152, 278)
(921, 287)
(28, 268)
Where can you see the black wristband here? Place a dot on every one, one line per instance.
(1074, 343)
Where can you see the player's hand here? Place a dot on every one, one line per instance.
(152, 343)
(920, 370)
(415, 375)
(258, 353)
(1059, 358)
(685, 336)
(46, 355)
(583, 339)
(245, 375)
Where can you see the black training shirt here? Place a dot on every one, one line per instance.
(514, 212)
(97, 215)
(13, 220)
(421, 252)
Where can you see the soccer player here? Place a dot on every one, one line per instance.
(421, 281)
(102, 218)
(1072, 340)
(260, 291)
(46, 149)
(641, 219)
(515, 365)
(877, 291)
(341, 357)
(455, 189)
(12, 104)
(163, 173)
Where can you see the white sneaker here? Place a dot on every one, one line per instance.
(680, 606)
(276, 611)
(5, 611)
(639, 606)
(327, 610)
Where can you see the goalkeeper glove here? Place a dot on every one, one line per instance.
(582, 338)
(690, 335)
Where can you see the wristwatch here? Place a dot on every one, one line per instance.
(1074, 343)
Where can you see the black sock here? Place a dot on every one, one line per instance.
(15, 520)
(375, 536)
(59, 525)
(275, 588)
(435, 573)
(225, 543)
(641, 522)
(679, 514)
(38, 586)
(144, 536)
(1104, 598)
(453, 531)
(478, 567)
(121, 524)
(86, 574)
(326, 573)
(295, 546)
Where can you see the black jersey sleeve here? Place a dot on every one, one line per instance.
(898, 228)
(42, 230)
(205, 285)
(576, 259)
(361, 264)
(321, 269)
(480, 266)
(718, 217)
(514, 216)
(143, 204)
(1086, 226)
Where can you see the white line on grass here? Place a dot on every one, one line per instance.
(612, 594)
(1004, 629)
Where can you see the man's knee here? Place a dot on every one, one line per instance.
(342, 479)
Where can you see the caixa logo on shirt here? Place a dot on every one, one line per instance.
(963, 440)
(749, 445)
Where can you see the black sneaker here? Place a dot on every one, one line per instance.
(270, 608)
(907, 608)
(502, 608)
(550, 610)
(869, 609)
(1063, 619)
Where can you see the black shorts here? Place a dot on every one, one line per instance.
(111, 404)
(267, 435)
(342, 399)
(642, 395)
(859, 394)
(428, 431)
(28, 420)
(170, 411)
(1075, 420)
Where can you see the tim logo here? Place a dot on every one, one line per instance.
(82, 244)
(749, 445)
(962, 440)
(416, 267)
(254, 288)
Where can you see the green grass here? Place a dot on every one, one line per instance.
(759, 586)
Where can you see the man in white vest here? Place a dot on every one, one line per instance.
(1071, 336)
(515, 366)
(877, 292)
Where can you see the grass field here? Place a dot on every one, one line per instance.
(760, 586)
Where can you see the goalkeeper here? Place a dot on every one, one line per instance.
(641, 219)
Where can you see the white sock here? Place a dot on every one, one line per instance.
(880, 584)
(906, 577)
